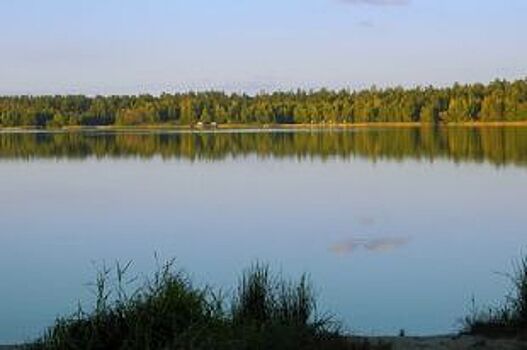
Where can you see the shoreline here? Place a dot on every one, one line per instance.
(432, 342)
(265, 127)
(445, 342)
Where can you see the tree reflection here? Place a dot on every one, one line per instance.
(499, 146)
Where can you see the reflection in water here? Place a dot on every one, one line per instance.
(366, 221)
(379, 245)
(499, 146)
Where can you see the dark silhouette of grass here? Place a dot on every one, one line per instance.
(168, 312)
(508, 320)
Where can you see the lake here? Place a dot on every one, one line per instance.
(398, 228)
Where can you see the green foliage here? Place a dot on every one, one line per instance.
(263, 298)
(498, 101)
(168, 312)
(509, 319)
(167, 306)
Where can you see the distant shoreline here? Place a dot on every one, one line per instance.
(263, 127)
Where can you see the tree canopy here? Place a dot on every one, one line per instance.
(498, 101)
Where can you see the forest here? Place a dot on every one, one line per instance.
(497, 101)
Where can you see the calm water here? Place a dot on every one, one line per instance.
(398, 228)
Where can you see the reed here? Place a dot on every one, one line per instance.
(509, 319)
(167, 311)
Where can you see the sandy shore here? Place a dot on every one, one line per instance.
(263, 127)
(453, 342)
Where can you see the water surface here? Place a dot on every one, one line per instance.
(398, 228)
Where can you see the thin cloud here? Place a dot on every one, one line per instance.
(377, 2)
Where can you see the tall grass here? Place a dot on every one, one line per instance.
(263, 298)
(167, 308)
(510, 319)
(169, 312)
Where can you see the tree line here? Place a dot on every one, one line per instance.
(499, 100)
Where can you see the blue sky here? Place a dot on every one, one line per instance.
(134, 46)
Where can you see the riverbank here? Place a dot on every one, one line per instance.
(263, 127)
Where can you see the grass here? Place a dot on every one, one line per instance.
(265, 311)
(508, 320)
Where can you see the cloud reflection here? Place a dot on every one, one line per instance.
(377, 245)
(366, 221)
